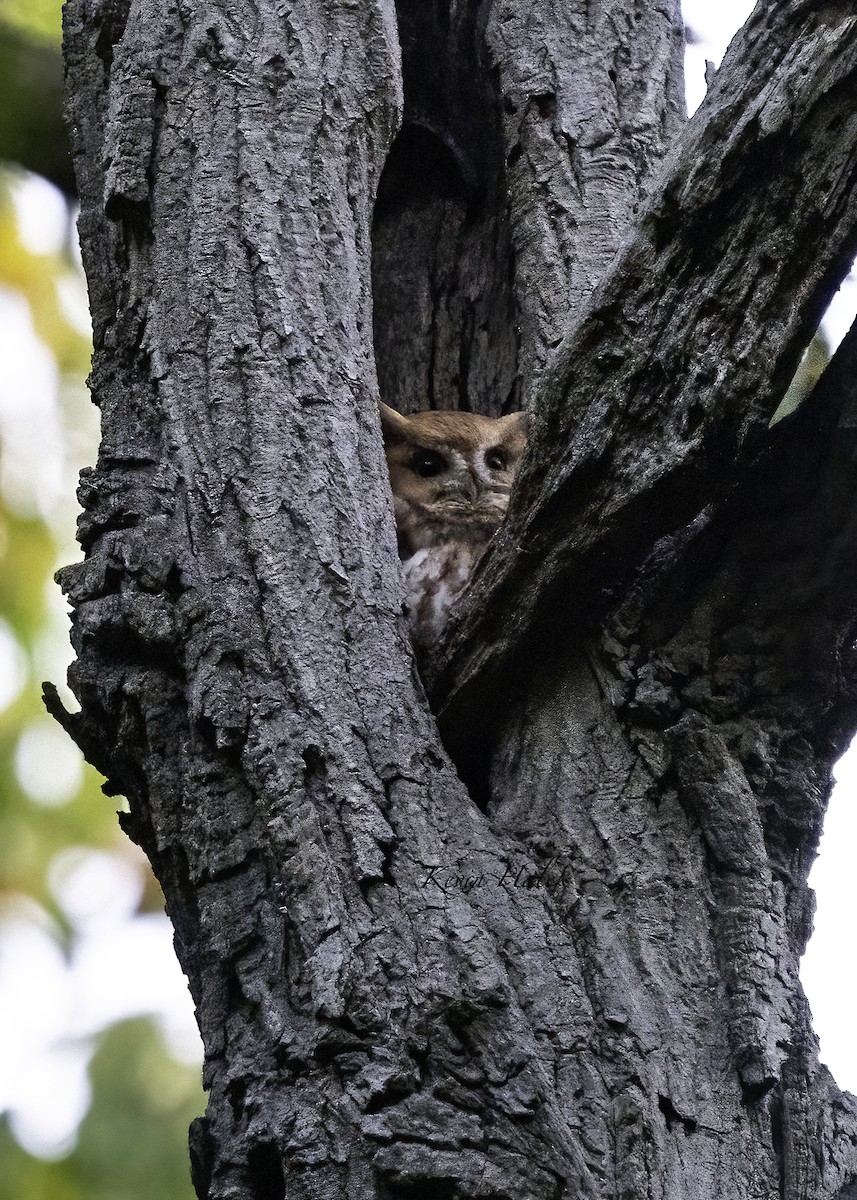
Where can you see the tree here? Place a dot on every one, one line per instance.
(577, 975)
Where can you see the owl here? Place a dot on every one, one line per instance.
(451, 475)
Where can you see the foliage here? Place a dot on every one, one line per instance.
(132, 1142)
(39, 20)
(32, 131)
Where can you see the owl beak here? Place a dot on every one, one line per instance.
(465, 486)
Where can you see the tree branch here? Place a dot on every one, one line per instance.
(585, 131)
(685, 351)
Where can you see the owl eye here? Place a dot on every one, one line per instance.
(495, 460)
(427, 463)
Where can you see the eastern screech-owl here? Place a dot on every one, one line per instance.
(451, 475)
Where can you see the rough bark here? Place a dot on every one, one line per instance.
(529, 135)
(593, 97)
(587, 987)
(444, 306)
(666, 385)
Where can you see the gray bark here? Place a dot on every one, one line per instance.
(584, 985)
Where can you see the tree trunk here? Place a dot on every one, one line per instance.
(576, 976)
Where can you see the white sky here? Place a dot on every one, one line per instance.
(122, 965)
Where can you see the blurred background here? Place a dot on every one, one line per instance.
(99, 1057)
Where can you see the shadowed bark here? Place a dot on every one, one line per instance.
(585, 984)
(668, 382)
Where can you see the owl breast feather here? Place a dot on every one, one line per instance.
(434, 578)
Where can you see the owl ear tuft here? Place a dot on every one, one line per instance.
(394, 426)
(514, 424)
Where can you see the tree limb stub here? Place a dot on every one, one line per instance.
(686, 349)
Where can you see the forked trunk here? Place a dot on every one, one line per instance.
(576, 976)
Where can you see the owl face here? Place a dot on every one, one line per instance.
(451, 474)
